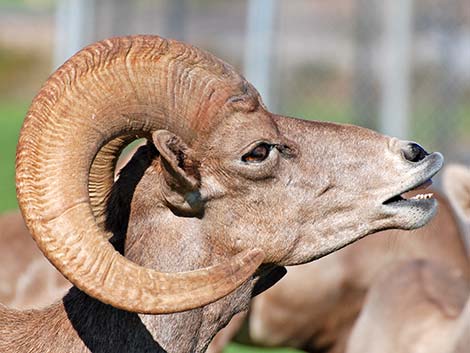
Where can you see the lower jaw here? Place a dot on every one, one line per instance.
(413, 213)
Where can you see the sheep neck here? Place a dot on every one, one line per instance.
(160, 239)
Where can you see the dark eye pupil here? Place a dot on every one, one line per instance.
(258, 154)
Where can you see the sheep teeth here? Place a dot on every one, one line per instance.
(423, 196)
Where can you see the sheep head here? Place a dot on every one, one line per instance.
(299, 189)
(267, 188)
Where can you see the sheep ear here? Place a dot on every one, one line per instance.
(179, 169)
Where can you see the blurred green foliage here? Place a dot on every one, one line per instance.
(31, 4)
(11, 118)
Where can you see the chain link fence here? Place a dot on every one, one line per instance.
(332, 64)
(367, 62)
(374, 63)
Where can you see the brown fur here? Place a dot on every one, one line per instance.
(413, 308)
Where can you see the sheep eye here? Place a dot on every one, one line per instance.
(257, 154)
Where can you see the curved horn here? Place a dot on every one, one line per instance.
(100, 181)
(119, 87)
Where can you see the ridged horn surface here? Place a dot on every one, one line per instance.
(128, 86)
(100, 181)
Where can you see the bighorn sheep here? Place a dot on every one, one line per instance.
(420, 306)
(315, 305)
(223, 190)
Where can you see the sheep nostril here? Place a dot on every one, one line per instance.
(414, 152)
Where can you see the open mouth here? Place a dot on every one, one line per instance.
(411, 195)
